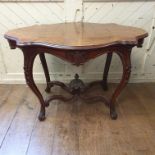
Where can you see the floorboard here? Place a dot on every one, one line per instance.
(77, 128)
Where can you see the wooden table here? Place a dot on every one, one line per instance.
(76, 43)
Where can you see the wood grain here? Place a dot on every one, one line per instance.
(9, 104)
(74, 35)
(23, 120)
(78, 128)
(43, 134)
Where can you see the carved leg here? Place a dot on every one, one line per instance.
(106, 70)
(46, 71)
(126, 62)
(29, 57)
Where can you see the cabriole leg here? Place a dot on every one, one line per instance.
(46, 71)
(29, 57)
(126, 62)
(106, 70)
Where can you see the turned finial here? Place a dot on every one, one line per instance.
(76, 76)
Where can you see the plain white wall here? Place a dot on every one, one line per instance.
(16, 14)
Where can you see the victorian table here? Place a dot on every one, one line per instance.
(76, 43)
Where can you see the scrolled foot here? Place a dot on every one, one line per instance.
(41, 116)
(113, 114)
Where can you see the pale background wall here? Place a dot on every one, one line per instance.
(137, 13)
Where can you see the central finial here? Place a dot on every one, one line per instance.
(76, 76)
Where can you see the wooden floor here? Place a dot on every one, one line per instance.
(77, 128)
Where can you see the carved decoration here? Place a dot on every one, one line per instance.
(76, 86)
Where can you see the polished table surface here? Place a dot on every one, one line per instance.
(76, 43)
(77, 35)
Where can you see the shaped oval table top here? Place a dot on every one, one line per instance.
(76, 35)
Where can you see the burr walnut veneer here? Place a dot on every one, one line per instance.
(76, 43)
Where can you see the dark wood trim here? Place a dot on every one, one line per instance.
(29, 57)
(106, 70)
(46, 71)
(138, 42)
